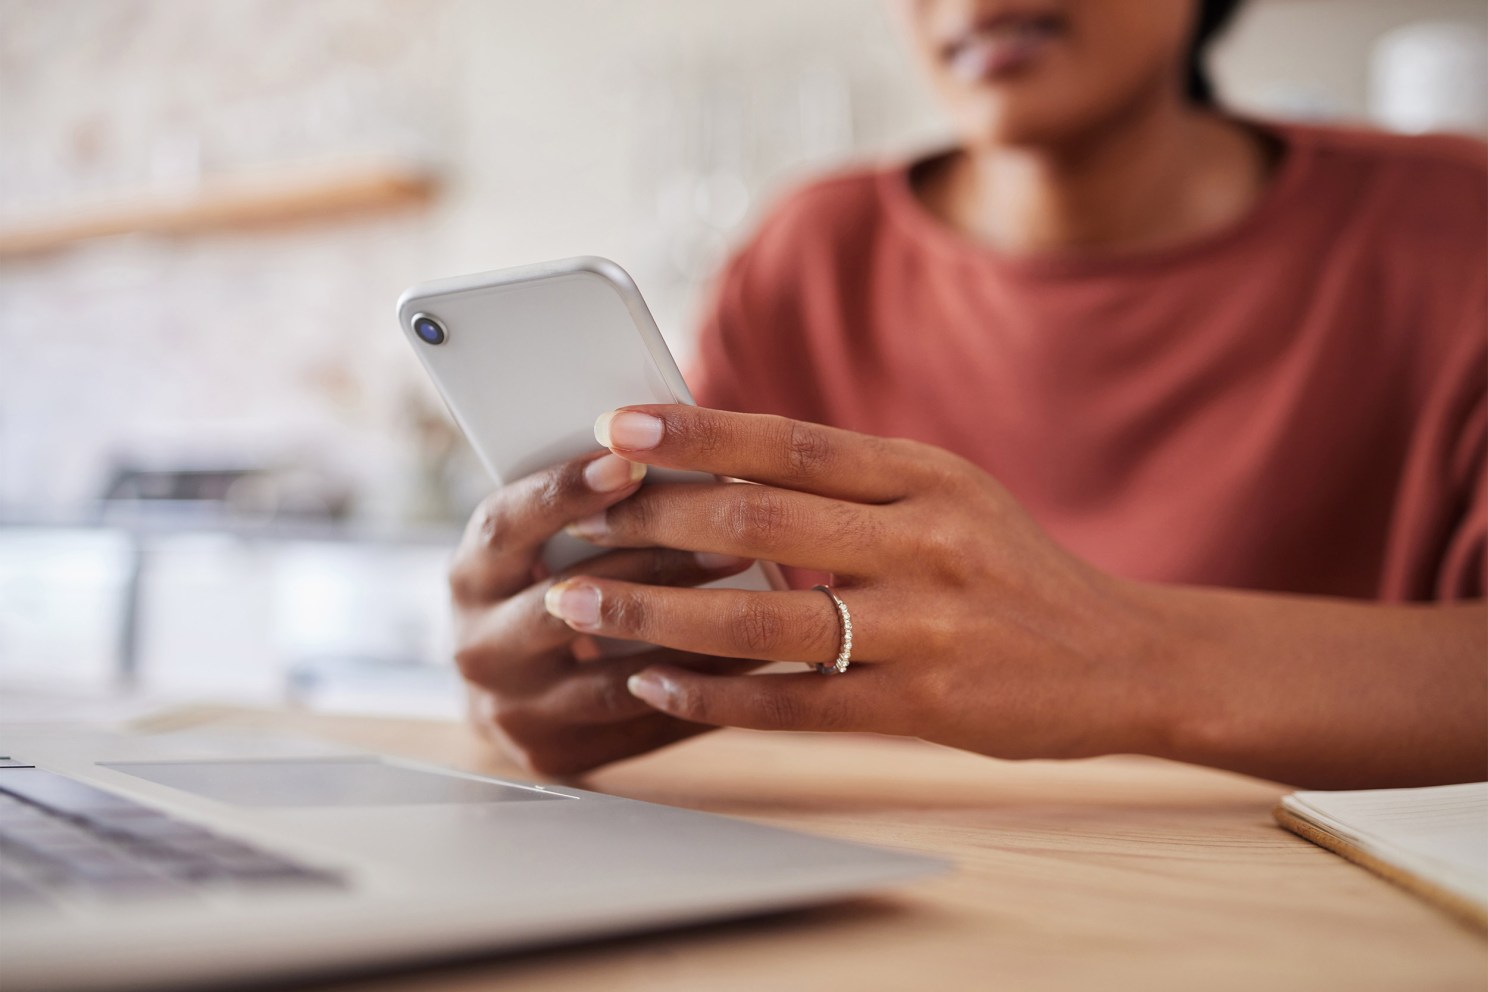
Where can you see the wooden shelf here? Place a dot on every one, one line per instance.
(251, 201)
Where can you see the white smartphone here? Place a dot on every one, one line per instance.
(528, 358)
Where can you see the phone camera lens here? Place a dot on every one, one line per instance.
(429, 330)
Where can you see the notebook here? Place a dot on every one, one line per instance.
(1432, 841)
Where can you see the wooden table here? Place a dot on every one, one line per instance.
(1118, 873)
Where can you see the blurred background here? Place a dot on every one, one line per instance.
(221, 475)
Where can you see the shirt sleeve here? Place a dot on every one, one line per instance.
(1438, 546)
(1464, 570)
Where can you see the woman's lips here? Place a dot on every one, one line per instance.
(1001, 48)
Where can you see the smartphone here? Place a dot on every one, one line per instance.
(528, 358)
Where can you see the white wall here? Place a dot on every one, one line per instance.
(1311, 57)
(562, 127)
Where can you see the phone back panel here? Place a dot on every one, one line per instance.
(534, 355)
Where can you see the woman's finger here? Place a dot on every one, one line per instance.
(778, 525)
(560, 751)
(595, 692)
(807, 701)
(791, 454)
(502, 540)
(578, 752)
(767, 626)
(514, 644)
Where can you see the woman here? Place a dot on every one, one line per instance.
(1151, 431)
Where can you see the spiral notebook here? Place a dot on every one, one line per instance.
(1431, 841)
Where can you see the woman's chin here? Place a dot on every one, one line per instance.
(1032, 120)
(1003, 126)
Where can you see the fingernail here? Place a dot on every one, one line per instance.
(609, 473)
(715, 562)
(573, 602)
(628, 429)
(653, 690)
(591, 527)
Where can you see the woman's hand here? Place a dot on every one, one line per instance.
(970, 626)
(529, 690)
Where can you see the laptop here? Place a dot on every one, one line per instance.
(151, 861)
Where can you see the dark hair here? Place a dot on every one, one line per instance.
(1213, 16)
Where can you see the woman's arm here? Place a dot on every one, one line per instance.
(973, 629)
(1326, 693)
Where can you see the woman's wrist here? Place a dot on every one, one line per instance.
(1134, 701)
(1160, 648)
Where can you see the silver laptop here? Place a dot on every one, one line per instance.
(146, 861)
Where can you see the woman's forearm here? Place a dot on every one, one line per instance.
(1320, 692)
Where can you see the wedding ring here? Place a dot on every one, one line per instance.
(844, 618)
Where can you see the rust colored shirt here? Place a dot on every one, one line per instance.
(1293, 403)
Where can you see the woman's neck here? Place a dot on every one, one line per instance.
(1165, 174)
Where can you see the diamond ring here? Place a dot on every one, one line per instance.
(844, 653)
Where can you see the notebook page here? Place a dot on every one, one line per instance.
(1438, 833)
